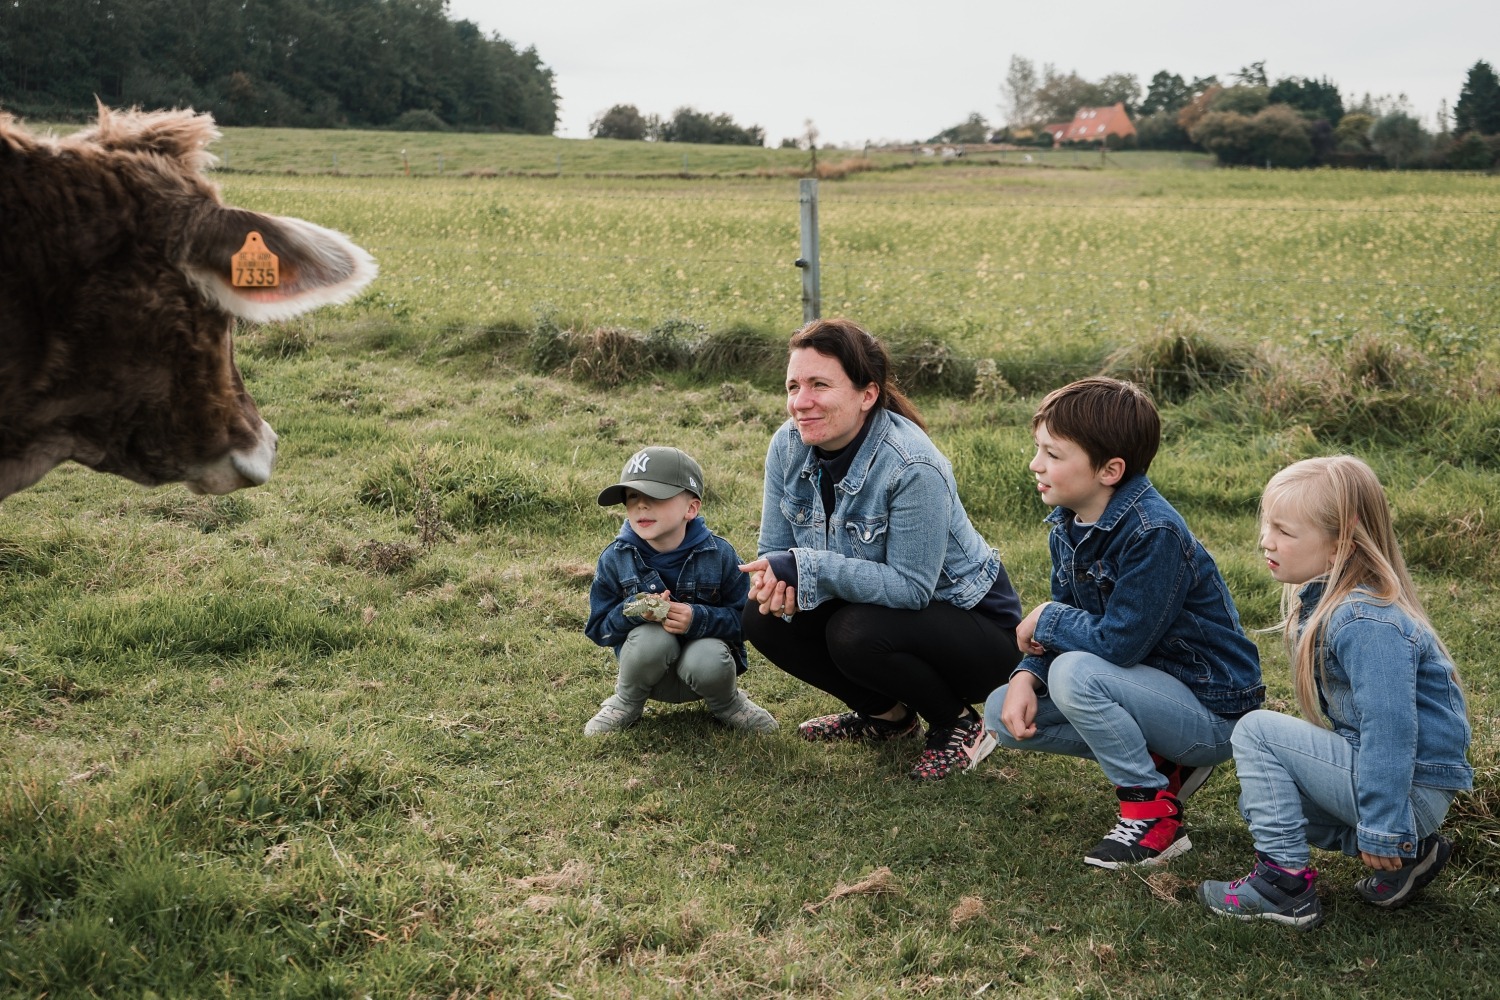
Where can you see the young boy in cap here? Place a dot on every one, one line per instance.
(666, 597)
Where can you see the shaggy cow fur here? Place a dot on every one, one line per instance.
(116, 306)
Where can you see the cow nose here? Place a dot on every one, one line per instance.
(255, 463)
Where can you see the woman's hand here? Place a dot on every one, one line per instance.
(1018, 711)
(772, 596)
(1379, 861)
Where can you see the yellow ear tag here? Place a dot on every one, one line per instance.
(255, 266)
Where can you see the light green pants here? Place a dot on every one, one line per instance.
(656, 664)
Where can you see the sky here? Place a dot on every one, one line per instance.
(877, 70)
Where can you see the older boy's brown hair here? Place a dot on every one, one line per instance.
(1107, 418)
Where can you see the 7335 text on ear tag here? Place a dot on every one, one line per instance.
(254, 266)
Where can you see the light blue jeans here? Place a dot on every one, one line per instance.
(1118, 716)
(656, 664)
(1297, 787)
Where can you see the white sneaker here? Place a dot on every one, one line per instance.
(745, 714)
(615, 714)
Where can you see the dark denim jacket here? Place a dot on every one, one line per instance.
(1388, 688)
(710, 581)
(1139, 588)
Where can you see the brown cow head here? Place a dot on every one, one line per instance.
(117, 304)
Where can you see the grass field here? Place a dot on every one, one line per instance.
(323, 738)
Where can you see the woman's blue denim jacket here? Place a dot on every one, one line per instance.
(1139, 588)
(898, 536)
(1387, 687)
(711, 581)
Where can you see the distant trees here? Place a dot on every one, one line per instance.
(623, 121)
(690, 125)
(1290, 123)
(1167, 92)
(1060, 96)
(1478, 107)
(1353, 131)
(1019, 91)
(1256, 121)
(1315, 99)
(1037, 99)
(1274, 136)
(1399, 138)
(272, 62)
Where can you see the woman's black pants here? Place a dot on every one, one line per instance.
(938, 661)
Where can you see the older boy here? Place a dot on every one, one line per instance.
(666, 597)
(1138, 660)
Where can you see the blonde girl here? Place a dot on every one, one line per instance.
(1382, 752)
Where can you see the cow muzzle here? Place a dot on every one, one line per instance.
(237, 469)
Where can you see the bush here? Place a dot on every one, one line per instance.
(548, 349)
(623, 121)
(1274, 137)
(1470, 152)
(925, 363)
(741, 352)
(690, 125)
(1400, 138)
(1182, 359)
(1161, 131)
(609, 356)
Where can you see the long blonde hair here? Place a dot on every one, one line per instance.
(1342, 497)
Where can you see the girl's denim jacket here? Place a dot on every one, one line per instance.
(1139, 588)
(711, 581)
(898, 536)
(1387, 687)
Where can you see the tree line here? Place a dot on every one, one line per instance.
(313, 63)
(687, 124)
(1251, 119)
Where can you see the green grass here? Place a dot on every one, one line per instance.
(322, 738)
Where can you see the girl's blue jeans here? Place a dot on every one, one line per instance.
(1297, 787)
(1118, 716)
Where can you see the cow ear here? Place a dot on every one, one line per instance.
(316, 266)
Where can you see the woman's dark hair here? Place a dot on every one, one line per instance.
(863, 358)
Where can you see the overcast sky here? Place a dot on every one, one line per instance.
(877, 69)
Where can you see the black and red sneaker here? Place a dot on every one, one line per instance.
(1150, 831)
(858, 727)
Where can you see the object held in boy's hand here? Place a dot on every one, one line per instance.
(652, 607)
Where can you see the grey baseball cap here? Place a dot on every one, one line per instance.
(657, 472)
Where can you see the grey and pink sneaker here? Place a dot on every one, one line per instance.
(1392, 889)
(1269, 892)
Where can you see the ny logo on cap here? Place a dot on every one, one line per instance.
(637, 464)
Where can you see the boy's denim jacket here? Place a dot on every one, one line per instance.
(1387, 687)
(1139, 588)
(711, 581)
(898, 536)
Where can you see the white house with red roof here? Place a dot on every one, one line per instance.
(1093, 125)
